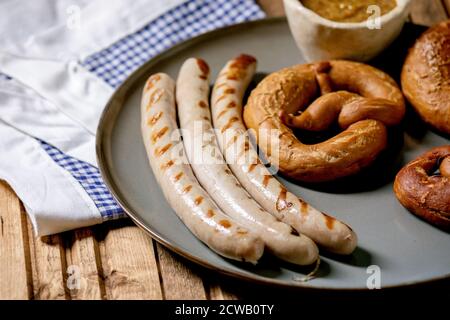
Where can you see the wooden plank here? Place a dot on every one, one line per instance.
(15, 267)
(221, 291)
(179, 280)
(84, 271)
(273, 8)
(427, 12)
(129, 264)
(48, 263)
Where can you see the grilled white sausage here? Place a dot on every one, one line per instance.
(215, 176)
(226, 105)
(179, 185)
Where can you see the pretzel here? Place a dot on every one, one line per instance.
(422, 191)
(362, 99)
(426, 77)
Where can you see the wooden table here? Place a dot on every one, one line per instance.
(117, 260)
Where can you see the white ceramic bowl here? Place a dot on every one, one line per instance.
(322, 39)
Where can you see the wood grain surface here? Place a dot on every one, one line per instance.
(117, 260)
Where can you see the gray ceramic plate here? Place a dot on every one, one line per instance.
(406, 249)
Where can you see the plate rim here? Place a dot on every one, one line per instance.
(101, 140)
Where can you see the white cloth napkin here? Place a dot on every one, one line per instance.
(53, 199)
(55, 99)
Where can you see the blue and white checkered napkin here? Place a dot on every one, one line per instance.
(116, 62)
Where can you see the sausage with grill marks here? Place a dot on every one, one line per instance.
(179, 185)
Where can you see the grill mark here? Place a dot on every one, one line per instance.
(154, 98)
(242, 232)
(252, 167)
(225, 223)
(204, 68)
(152, 81)
(220, 98)
(281, 201)
(233, 76)
(329, 221)
(231, 142)
(198, 200)
(210, 213)
(221, 113)
(178, 176)
(232, 104)
(202, 104)
(159, 134)
(243, 61)
(167, 165)
(220, 85)
(238, 68)
(187, 189)
(229, 91)
(229, 124)
(303, 207)
(153, 120)
(266, 180)
(245, 148)
(163, 150)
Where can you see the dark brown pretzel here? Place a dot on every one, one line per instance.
(423, 192)
(363, 99)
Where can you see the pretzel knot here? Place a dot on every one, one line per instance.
(343, 105)
(423, 190)
(362, 99)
